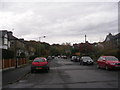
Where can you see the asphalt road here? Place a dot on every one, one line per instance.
(67, 74)
(15, 74)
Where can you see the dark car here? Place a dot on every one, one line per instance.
(86, 60)
(108, 62)
(64, 57)
(40, 63)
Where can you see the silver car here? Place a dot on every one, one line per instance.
(86, 60)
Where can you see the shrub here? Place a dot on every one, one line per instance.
(7, 54)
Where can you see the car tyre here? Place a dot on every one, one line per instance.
(80, 63)
(98, 66)
(48, 69)
(106, 67)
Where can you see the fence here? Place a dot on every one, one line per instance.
(8, 63)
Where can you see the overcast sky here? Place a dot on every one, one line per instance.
(60, 21)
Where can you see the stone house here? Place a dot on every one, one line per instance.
(21, 49)
(112, 41)
(19, 46)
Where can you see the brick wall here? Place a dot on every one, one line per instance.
(0, 64)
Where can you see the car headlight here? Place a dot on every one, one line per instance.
(112, 63)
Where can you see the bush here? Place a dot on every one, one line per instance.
(33, 57)
(112, 52)
(7, 54)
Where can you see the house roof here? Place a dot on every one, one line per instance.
(11, 37)
(112, 37)
(9, 33)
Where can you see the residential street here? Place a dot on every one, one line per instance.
(56, 44)
(67, 74)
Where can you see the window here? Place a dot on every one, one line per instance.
(12, 42)
(100, 58)
(5, 39)
(112, 58)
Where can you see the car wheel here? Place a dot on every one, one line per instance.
(83, 63)
(80, 62)
(47, 70)
(98, 66)
(106, 67)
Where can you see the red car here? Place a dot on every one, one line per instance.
(108, 62)
(40, 63)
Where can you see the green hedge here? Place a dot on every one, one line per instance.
(7, 54)
(33, 57)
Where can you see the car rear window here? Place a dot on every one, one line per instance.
(39, 60)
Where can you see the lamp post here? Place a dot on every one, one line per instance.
(41, 37)
(39, 44)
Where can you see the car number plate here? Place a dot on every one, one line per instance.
(39, 68)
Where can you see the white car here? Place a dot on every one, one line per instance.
(75, 58)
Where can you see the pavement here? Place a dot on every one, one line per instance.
(15, 74)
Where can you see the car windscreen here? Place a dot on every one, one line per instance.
(39, 60)
(87, 58)
(111, 58)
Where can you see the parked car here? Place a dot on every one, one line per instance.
(86, 60)
(75, 58)
(108, 62)
(53, 57)
(40, 63)
(64, 57)
(49, 58)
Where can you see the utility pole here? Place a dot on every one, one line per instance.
(16, 62)
(39, 39)
(40, 44)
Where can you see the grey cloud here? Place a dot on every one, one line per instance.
(61, 21)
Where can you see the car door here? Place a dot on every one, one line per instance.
(103, 62)
(99, 61)
(81, 59)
